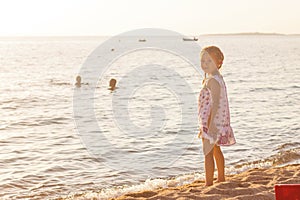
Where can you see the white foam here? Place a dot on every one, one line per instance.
(149, 184)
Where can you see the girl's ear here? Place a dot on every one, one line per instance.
(220, 63)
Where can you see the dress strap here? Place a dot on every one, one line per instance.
(217, 77)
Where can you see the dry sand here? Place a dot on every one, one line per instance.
(252, 184)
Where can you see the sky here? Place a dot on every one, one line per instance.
(111, 17)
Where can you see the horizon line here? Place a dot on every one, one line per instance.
(205, 34)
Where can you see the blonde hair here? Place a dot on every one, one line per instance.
(216, 54)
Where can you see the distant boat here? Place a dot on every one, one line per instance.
(142, 40)
(190, 39)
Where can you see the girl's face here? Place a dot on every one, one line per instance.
(208, 64)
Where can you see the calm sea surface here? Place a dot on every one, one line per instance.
(44, 156)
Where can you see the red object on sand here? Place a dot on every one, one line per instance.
(287, 191)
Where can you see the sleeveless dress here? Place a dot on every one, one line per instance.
(223, 134)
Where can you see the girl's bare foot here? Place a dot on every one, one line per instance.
(208, 184)
(220, 180)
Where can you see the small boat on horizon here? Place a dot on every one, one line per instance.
(142, 40)
(190, 39)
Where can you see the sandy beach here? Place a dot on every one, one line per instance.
(256, 183)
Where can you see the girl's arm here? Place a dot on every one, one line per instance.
(214, 87)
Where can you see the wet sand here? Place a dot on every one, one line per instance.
(255, 183)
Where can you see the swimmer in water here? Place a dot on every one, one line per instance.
(112, 84)
(78, 81)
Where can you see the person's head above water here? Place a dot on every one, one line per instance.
(78, 81)
(112, 84)
(211, 59)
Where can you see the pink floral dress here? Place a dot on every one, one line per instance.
(223, 134)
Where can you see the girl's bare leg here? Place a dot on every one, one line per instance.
(220, 163)
(209, 168)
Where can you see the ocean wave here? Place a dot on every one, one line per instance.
(273, 88)
(288, 153)
(285, 156)
(40, 122)
(265, 89)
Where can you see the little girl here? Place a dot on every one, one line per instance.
(213, 113)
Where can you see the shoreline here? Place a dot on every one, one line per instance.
(255, 183)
